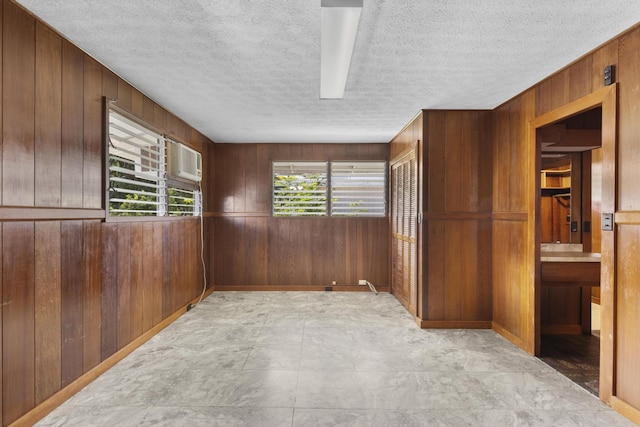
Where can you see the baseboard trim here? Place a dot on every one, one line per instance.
(512, 337)
(453, 324)
(625, 409)
(44, 408)
(299, 288)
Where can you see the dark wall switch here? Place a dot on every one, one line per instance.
(574, 226)
(609, 75)
(586, 226)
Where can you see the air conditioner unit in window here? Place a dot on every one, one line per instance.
(184, 162)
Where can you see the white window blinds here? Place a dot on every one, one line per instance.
(358, 188)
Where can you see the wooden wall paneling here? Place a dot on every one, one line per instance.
(628, 123)
(124, 285)
(92, 131)
(543, 91)
(436, 197)
(92, 295)
(157, 278)
(485, 272)
(469, 270)
(178, 261)
(124, 95)
(72, 150)
(48, 116)
(1, 157)
(485, 162)
(225, 181)
(196, 256)
(150, 267)
(251, 178)
(72, 242)
(518, 172)
(586, 200)
(109, 84)
(167, 261)
(455, 266)
(436, 276)
(363, 253)
(349, 251)
(147, 110)
(158, 116)
(137, 103)
(560, 94)
(628, 315)
(263, 178)
(137, 261)
(580, 78)
(238, 188)
(596, 199)
(18, 97)
(501, 159)
(606, 55)
(1, 287)
(575, 203)
(322, 268)
(558, 306)
(18, 314)
(303, 243)
(109, 299)
(455, 167)
(340, 248)
(240, 251)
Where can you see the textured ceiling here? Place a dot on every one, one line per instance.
(249, 70)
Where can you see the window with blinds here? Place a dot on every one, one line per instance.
(358, 188)
(299, 188)
(337, 188)
(138, 180)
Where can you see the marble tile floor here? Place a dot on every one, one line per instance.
(326, 359)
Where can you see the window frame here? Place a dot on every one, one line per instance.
(329, 191)
(166, 181)
(317, 163)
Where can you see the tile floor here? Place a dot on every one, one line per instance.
(326, 359)
(576, 356)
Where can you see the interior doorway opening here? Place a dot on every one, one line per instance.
(570, 245)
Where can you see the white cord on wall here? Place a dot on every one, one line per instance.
(204, 266)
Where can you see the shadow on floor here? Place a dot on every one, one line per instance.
(575, 356)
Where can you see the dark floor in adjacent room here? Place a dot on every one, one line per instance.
(575, 356)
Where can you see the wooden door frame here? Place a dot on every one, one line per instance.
(607, 99)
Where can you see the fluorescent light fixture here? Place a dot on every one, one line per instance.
(339, 27)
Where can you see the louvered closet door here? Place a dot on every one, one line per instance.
(404, 202)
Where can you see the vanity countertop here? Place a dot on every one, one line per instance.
(557, 256)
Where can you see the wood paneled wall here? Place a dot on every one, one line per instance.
(454, 274)
(513, 227)
(74, 289)
(254, 250)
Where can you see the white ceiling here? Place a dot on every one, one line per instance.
(249, 70)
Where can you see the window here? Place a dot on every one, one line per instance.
(358, 188)
(299, 188)
(350, 189)
(138, 181)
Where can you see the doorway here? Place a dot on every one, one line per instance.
(575, 172)
(570, 182)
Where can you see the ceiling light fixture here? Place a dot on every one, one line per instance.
(338, 35)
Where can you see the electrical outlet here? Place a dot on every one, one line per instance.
(362, 282)
(333, 282)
